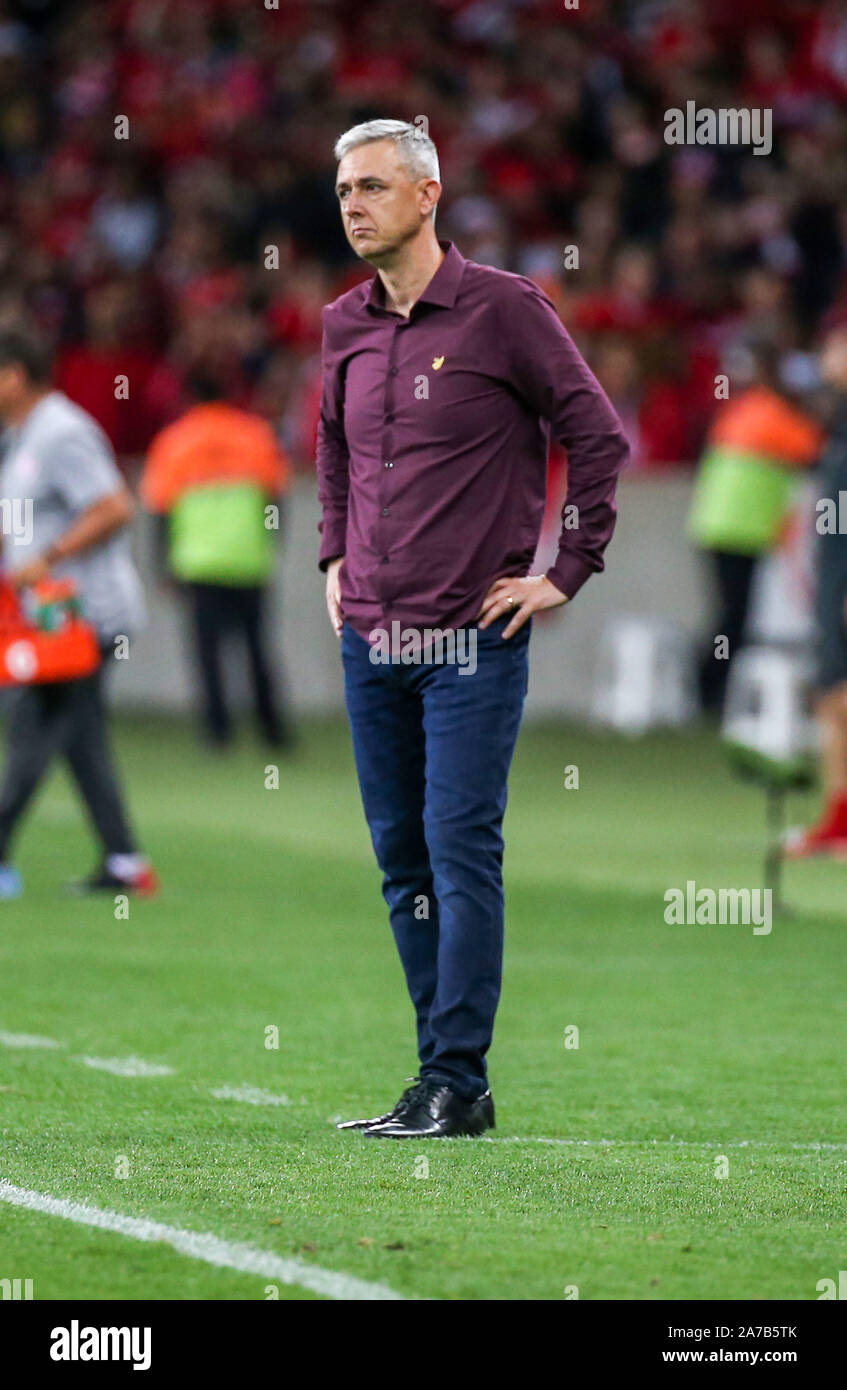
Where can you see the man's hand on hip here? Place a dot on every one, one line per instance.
(333, 594)
(522, 598)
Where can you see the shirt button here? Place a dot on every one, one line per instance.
(393, 371)
(384, 560)
(388, 465)
(386, 511)
(389, 419)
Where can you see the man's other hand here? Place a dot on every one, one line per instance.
(521, 597)
(333, 594)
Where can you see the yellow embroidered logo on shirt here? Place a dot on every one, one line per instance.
(437, 363)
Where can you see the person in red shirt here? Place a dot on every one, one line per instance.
(106, 374)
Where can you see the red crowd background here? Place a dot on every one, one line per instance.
(146, 256)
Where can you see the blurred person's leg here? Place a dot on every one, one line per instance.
(210, 614)
(68, 717)
(832, 717)
(733, 578)
(831, 711)
(38, 727)
(829, 834)
(386, 722)
(270, 713)
(90, 756)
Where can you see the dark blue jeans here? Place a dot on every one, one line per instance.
(433, 749)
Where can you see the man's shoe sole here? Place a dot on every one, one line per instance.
(386, 1132)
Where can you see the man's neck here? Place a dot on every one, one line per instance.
(17, 414)
(405, 281)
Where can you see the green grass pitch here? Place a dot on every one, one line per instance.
(696, 1044)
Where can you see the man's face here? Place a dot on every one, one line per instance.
(382, 207)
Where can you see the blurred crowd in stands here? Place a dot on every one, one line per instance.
(146, 256)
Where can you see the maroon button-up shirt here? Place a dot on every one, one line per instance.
(433, 441)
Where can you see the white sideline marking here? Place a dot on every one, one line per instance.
(27, 1040)
(659, 1143)
(126, 1066)
(252, 1095)
(208, 1248)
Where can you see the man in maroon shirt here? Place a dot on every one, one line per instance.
(441, 382)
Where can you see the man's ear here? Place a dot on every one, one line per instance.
(432, 193)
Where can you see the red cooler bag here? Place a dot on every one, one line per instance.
(43, 636)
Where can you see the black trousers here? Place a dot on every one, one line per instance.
(733, 579)
(218, 609)
(68, 719)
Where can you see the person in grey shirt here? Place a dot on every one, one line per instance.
(65, 509)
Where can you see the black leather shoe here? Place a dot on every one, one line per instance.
(437, 1112)
(399, 1109)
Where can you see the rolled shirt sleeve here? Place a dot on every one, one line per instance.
(552, 376)
(81, 467)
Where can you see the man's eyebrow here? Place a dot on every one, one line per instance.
(365, 178)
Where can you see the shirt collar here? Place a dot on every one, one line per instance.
(442, 288)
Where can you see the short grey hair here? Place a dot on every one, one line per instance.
(416, 149)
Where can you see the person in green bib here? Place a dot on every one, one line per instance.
(744, 492)
(218, 475)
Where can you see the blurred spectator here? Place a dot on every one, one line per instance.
(744, 492)
(550, 123)
(107, 369)
(218, 476)
(58, 462)
(829, 835)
